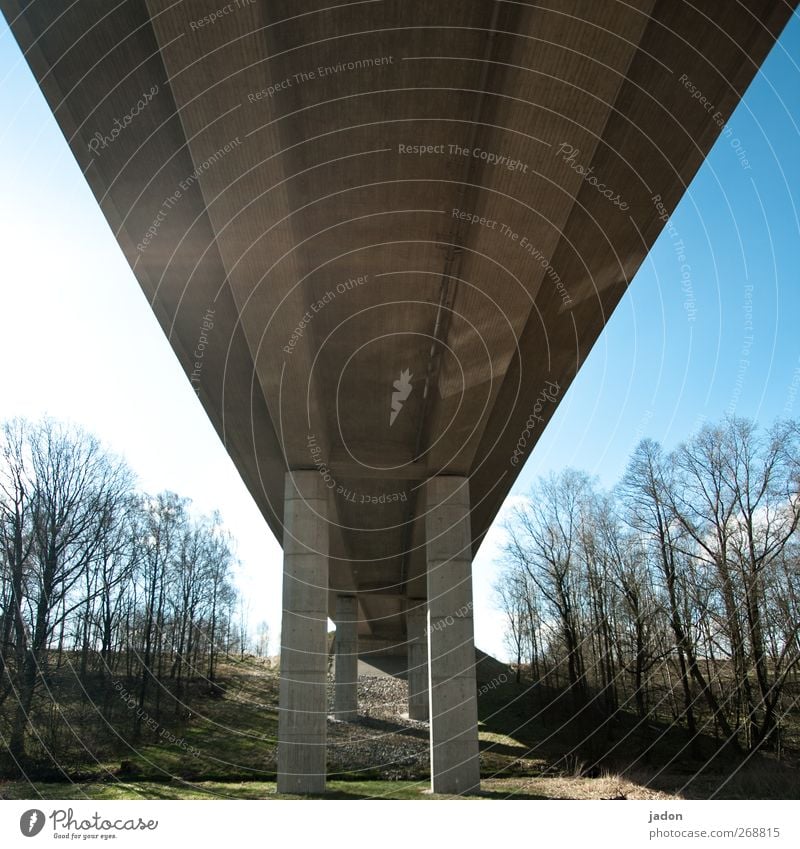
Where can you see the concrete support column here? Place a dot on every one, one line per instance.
(455, 766)
(345, 699)
(304, 635)
(417, 637)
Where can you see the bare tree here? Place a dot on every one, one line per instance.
(263, 639)
(71, 485)
(758, 468)
(690, 566)
(543, 540)
(513, 599)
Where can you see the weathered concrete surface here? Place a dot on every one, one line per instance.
(302, 719)
(416, 627)
(257, 186)
(382, 238)
(455, 767)
(346, 658)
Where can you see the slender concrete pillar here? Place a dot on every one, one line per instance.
(417, 637)
(345, 701)
(304, 636)
(455, 766)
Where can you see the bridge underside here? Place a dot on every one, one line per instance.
(382, 237)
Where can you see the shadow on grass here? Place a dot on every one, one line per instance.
(655, 755)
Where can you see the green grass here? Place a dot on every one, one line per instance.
(110, 791)
(530, 748)
(225, 741)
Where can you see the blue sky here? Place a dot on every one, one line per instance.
(712, 331)
(655, 372)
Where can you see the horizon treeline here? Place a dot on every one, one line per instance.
(676, 595)
(100, 584)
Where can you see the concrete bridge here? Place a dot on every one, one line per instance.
(382, 237)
